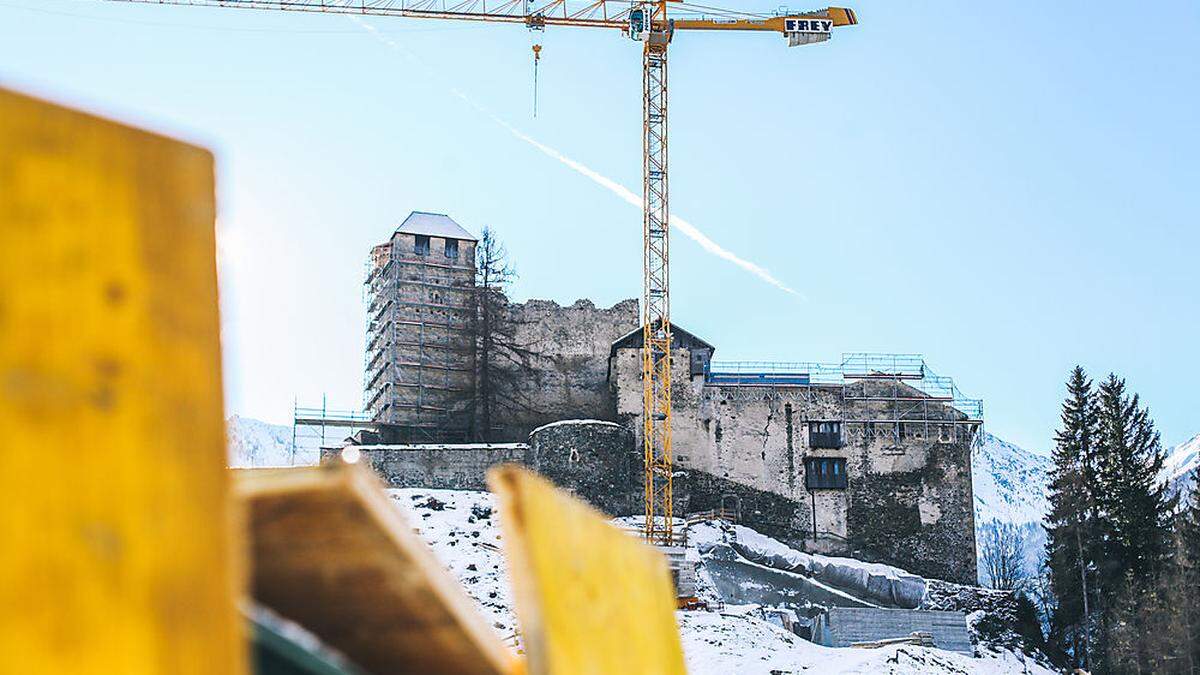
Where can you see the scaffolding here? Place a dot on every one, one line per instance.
(417, 362)
(900, 389)
(316, 428)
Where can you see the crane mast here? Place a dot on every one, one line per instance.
(646, 21)
(656, 297)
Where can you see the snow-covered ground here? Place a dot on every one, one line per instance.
(462, 529)
(728, 642)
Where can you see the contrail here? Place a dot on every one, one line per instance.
(689, 230)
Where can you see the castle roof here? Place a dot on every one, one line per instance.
(679, 338)
(434, 225)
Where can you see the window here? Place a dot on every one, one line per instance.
(451, 248)
(824, 434)
(946, 433)
(825, 473)
(422, 246)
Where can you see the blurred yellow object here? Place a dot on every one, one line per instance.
(332, 552)
(590, 598)
(117, 551)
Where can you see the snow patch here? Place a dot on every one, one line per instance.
(447, 446)
(569, 423)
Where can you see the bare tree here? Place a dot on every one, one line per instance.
(1041, 593)
(1004, 556)
(501, 362)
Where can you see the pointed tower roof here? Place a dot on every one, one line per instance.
(434, 225)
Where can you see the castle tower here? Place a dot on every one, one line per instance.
(419, 363)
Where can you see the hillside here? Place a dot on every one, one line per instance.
(1009, 482)
(253, 442)
(461, 528)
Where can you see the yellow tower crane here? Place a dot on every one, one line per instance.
(646, 22)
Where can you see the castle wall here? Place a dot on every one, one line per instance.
(593, 459)
(568, 377)
(908, 500)
(446, 467)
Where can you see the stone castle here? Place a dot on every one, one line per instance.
(869, 456)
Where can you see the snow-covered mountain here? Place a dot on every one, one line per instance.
(1181, 464)
(253, 442)
(1009, 481)
(1010, 489)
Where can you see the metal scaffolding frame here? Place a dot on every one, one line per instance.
(408, 380)
(315, 428)
(911, 399)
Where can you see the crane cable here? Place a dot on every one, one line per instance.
(537, 56)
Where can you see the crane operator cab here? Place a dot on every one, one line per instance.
(641, 28)
(638, 24)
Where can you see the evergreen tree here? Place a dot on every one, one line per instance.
(1070, 541)
(1188, 568)
(1132, 504)
(1122, 649)
(1132, 523)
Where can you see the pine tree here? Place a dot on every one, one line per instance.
(1188, 565)
(1166, 624)
(1133, 517)
(1122, 651)
(1070, 545)
(1133, 504)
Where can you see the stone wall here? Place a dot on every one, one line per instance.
(909, 498)
(594, 459)
(448, 467)
(916, 517)
(568, 376)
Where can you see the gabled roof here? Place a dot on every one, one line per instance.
(434, 225)
(679, 338)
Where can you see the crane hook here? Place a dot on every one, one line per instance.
(537, 56)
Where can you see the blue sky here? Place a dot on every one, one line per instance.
(1007, 188)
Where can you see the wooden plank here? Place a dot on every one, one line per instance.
(331, 552)
(115, 514)
(590, 598)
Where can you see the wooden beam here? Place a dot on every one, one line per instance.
(331, 552)
(590, 598)
(118, 553)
